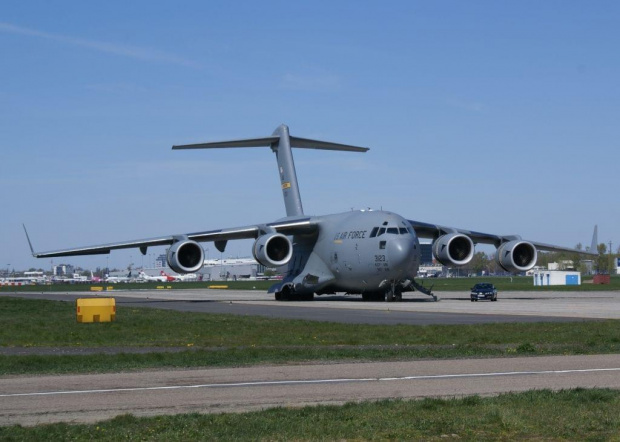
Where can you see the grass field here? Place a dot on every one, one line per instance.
(201, 340)
(537, 415)
(517, 283)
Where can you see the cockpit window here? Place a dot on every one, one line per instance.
(378, 231)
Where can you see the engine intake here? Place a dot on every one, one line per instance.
(185, 256)
(517, 256)
(455, 249)
(273, 250)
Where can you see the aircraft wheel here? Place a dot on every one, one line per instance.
(284, 294)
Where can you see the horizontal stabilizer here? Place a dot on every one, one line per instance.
(304, 143)
(307, 143)
(248, 142)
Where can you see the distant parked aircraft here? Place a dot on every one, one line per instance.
(187, 277)
(144, 277)
(114, 279)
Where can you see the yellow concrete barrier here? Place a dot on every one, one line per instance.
(96, 309)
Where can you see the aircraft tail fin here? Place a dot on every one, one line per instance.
(281, 143)
(594, 245)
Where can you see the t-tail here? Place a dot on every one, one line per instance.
(281, 143)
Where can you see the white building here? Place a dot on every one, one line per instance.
(231, 269)
(556, 277)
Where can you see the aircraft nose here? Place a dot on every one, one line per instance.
(401, 254)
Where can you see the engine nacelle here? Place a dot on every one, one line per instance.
(453, 249)
(517, 256)
(273, 250)
(185, 256)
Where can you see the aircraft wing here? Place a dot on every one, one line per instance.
(289, 226)
(427, 230)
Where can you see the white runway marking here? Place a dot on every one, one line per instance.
(314, 381)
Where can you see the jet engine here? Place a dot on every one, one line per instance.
(273, 250)
(453, 249)
(517, 256)
(185, 256)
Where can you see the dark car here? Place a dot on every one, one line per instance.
(483, 290)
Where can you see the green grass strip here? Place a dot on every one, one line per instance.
(575, 415)
(228, 340)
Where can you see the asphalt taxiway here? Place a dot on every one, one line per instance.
(453, 307)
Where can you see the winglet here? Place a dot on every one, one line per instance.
(29, 243)
(594, 245)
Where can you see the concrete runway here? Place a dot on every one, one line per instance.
(90, 398)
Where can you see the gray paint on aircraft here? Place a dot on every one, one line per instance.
(373, 253)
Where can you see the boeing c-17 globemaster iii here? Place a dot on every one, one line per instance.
(372, 253)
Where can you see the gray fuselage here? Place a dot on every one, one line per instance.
(354, 252)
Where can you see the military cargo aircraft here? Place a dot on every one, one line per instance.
(372, 253)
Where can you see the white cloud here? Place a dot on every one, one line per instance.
(137, 53)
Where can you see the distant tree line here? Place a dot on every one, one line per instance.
(603, 263)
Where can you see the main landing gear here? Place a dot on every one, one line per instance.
(287, 293)
(394, 292)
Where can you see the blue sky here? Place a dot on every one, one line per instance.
(495, 116)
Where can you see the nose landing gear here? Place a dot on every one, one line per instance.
(394, 293)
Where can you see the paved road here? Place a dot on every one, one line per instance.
(454, 308)
(90, 398)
